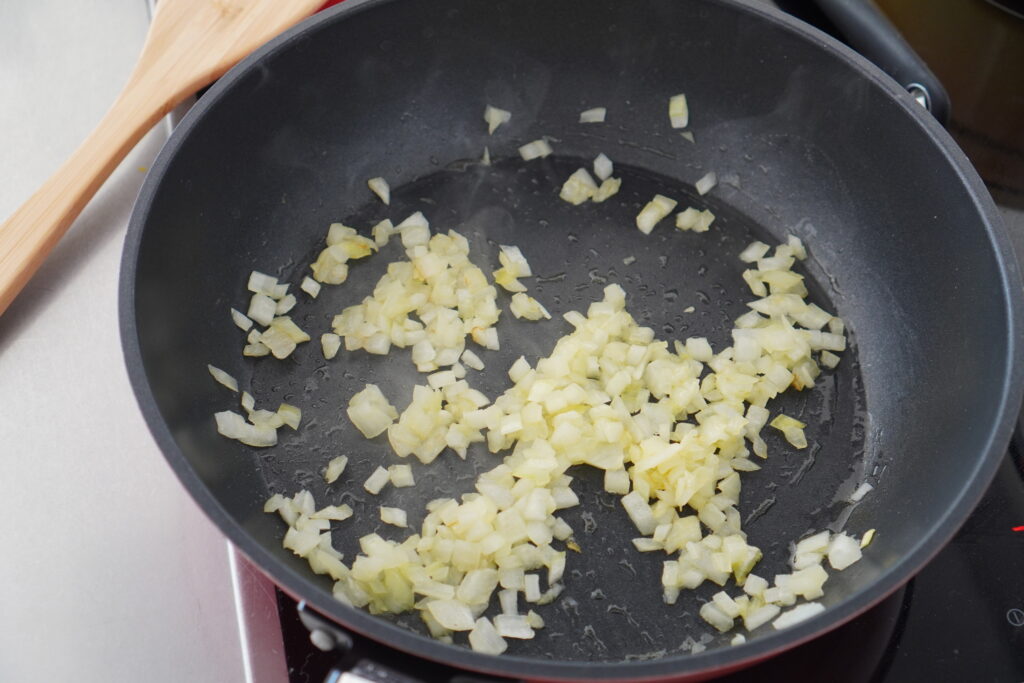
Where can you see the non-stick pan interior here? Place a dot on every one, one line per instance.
(803, 143)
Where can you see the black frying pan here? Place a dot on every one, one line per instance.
(806, 137)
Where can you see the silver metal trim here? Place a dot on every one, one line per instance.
(920, 93)
(259, 623)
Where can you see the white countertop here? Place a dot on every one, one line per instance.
(109, 572)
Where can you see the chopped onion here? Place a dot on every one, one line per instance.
(371, 412)
(234, 426)
(797, 614)
(484, 638)
(495, 117)
(678, 111)
(290, 415)
(382, 232)
(843, 551)
(578, 188)
(401, 476)
(537, 149)
(223, 377)
(523, 306)
(240, 319)
(310, 286)
(334, 468)
(687, 135)
(262, 309)
(330, 343)
(705, 183)
(380, 187)
(452, 615)
(607, 189)
(335, 513)
(603, 167)
(393, 516)
(869, 535)
(595, 115)
(472, 360)
(377, 480)
(654, 211)
(513, 626)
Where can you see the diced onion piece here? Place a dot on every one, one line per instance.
(579, 187)
(484, 638)
(759, 616)
(382, 232)
(335, 513)
(607, 189)
(639, 512)
(829, 359)
(401, 476)
(290, 415)
(223, 377)
(692, 219)
(394, 516)
(711, 613)
(595, 115)
(792, 429)
(495, 117)
(334, 468)
(537, 149)
(370, 411)
(688, 136)
(261, 283)
(513, 626)
(285, 304)
(738, 639)
(262, 309)
(234, 426)
(380, 187)
(377, 480)
(869, 535)
(686, 220)
(754, 251)
(512, 259)
(678, 111)
(471, 360)
(242, 320)
(330, 343)
(843, 551)
(654, 211)
(706, 182)
(248, 402)
(310, 286)
(616, 481)
(797, 614)
(603, 167)
(524, 306)
(451, 614)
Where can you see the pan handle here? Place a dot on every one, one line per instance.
(862, 26)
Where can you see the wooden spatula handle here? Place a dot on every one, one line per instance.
(28, 236)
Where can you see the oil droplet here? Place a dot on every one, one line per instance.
(663, 260)
(702, 297)
(667, 328)
(670, 295)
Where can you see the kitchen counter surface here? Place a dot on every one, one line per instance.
(109, 571)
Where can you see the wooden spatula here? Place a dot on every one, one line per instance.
(190, 44)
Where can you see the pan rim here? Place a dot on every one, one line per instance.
(719, 660)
